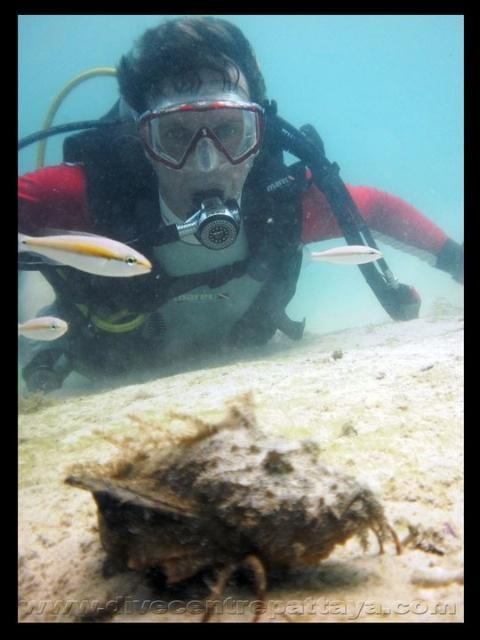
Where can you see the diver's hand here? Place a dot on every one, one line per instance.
(450, 259)
(42, 379)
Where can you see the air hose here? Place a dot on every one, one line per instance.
(48, 130)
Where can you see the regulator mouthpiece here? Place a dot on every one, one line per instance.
(216, 224)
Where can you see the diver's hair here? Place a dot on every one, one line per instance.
(177, 50)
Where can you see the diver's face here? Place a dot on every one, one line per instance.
(180, 188)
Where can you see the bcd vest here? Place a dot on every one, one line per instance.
(122, 197)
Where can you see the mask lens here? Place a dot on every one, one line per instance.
(170, 136)
(236, 130)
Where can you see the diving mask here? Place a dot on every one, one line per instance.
(214, 130)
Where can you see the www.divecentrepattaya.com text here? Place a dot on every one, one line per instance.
(348, 609)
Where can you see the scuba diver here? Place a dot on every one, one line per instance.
(188, 168)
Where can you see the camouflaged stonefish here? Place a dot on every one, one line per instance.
(227, 498)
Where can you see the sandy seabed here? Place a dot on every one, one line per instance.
(385, 404)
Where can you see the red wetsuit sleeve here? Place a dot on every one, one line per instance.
(383, 212)
(53, 198)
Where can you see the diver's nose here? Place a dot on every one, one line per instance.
(206, 155)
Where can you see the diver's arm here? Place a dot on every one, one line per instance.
(408, 229)
(53, 198)
(48, 199)
(396, 221)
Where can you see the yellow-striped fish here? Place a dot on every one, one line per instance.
(43, 328)
(91, 253)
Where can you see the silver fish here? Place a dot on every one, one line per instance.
(43, 328)
(349, 254)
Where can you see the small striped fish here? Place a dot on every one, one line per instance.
(43, 328)
(91, 253)
(349, 254)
